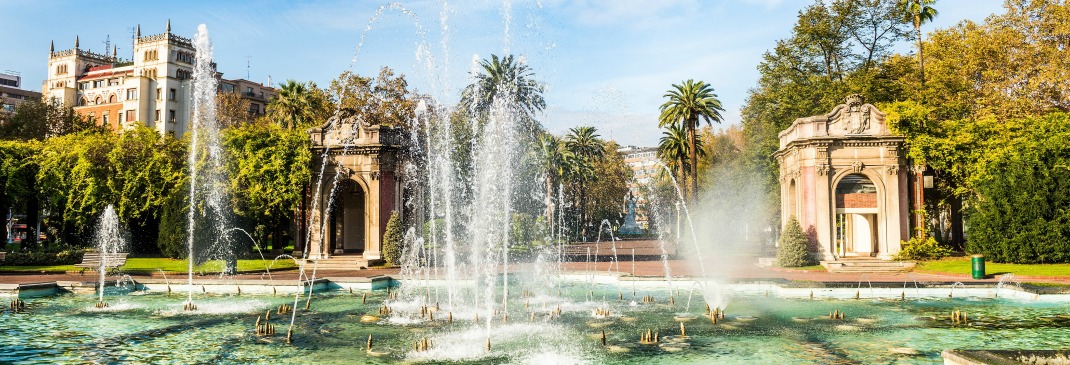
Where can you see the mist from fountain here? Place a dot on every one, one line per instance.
(109, 239)
(208, 197)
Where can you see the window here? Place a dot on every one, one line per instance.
(131, 115)
(159, 95)
(171, 95)
(111, 98)
(98, 83)
(131, 94)
(83, 86)
(113, 82)
(121, 117)
(152, 55)
(61, 70)
(171, 116)
(157, 118)
(227, 88)
(150, 73)
(104, 117)
(183, 74)
(98, 100)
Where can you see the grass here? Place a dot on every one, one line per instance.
(808, 268)
(962, 265)
(148, 265)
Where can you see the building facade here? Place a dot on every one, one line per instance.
(12, 94)
(645, 167)
(154, 89)
(843, 175)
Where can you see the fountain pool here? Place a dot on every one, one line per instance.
(755, 328)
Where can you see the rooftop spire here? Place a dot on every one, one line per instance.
(138, 34)
(75, 42)
(168, 25)
(52, 47)
(114, 51)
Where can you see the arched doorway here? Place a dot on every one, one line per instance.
(792, 199)
(347, 233)
(856, 216)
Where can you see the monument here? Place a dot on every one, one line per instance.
(842, 174)
(361, 170)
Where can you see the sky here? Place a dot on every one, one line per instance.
(605, 63)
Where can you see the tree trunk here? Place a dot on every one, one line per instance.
(694, 159)
(549, 203)
(921, 56)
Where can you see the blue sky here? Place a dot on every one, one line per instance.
(605, 63)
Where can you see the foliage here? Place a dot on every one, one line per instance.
(527, 232)
(65, 257)
(674, 149)
(171, 238)
(918, 248)
(232, 110)
(34, 119)
(384, 100)
(1019, 213)
(296, 105)
(794, 249)
(689, 104)
(392, 240)
(606, 194)
(509, 80)
(268, 169)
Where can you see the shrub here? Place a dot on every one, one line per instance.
(922, 249)
(171, 237)
(794, 250)
(392, 240)
(65, 257)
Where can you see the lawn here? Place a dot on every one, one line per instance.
(962, 265)
(148, 265)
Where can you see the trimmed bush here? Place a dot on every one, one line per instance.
(392, 240)
(65, 257)
(922, 249)
(794, 250)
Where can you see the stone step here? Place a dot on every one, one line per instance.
(868, 265)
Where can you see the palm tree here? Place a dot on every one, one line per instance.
(919, 12)
(584, 143)
(293, 105)
(504, 78)
(553, 158)
(690, 103)
(672, 148)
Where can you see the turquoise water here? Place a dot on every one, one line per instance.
(153, 329)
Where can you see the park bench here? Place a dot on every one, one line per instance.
(91, 261)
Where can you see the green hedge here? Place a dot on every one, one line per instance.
(66, 257)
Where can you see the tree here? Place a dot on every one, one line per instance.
(392, 240)
(293, 106)
(674, 151)
(232, 110)
(384, 100)
(552, 156)
(689, 104)
(794, 247)
(586, 149)
(510, 81)
(919, 12)
(606, 193)
(34, 119)
(268, 169)
(1019, 211)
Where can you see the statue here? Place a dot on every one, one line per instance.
(629, 227)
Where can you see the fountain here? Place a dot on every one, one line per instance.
(498, 304)
(208, 214)
(108, 240)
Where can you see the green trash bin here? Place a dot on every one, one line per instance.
(978, 262)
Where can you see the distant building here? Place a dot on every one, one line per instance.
(12, 94)
(258, 95)
(153, 89)
(645, 165)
